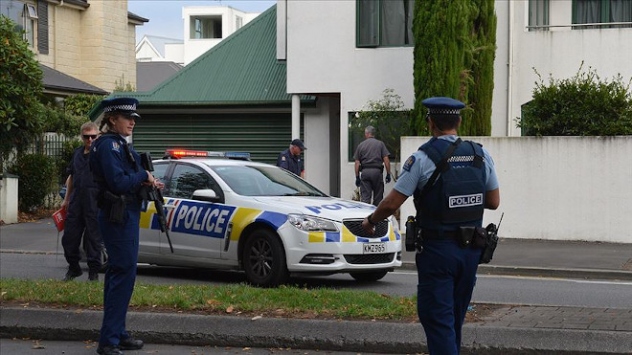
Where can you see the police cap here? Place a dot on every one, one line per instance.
(443, 106)
(125, 105)
(299, 143)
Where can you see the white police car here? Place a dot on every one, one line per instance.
(255, 217)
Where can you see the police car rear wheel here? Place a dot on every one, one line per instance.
(369, 276)
(264, 259)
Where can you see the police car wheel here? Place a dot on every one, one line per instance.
(264, 259)
(368, 276)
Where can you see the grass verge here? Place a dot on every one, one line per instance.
(233, 299)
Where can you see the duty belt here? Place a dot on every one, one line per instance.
(429, 234)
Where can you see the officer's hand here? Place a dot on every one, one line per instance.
(357, 181)
(388, 178)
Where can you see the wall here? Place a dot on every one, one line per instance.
(9, 199)
(558, 188)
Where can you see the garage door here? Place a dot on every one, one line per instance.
(264, 135)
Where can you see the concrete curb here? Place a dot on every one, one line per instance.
(326, 335)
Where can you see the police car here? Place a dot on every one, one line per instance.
(225, 211)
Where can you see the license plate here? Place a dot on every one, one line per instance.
(374, 248)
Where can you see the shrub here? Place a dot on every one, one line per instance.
(37, 180)
(583, 105)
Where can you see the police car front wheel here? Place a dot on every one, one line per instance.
(264, 259)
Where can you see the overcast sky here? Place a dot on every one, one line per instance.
(165, 16)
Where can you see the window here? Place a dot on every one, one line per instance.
(602, 11)
(186, 179)
(23, 14)
(538, 15)
(206, 27)
(239, 22)
(384, 23)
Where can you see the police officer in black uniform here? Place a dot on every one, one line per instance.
(290, 159)
(119, 176)
(81, 202)
(448, 213)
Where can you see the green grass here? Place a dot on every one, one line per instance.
(285, 301)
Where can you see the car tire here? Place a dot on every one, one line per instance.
(263, 259)
(369, 276)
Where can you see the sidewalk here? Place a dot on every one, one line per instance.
(507, 330)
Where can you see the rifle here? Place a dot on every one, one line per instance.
(151, 193)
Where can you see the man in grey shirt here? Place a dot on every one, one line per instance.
(371, 157)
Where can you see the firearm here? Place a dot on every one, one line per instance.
(492, 241)
(151, 193)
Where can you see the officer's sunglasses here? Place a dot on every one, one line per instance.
(91, 136)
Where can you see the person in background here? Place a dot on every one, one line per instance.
(119, 176)
(446, 258)
(290, 159)
(371, 157)
(80, 200)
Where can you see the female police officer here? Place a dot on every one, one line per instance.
(119, 176)
(446, 261)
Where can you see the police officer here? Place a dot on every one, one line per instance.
(119, 176)
(371, 157)
(290, 159)
(446, 260)
(81, 202)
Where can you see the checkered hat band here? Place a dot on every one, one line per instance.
(120, 108)
(444, 111)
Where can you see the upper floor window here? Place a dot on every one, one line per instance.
(384, 23)
(239, 22)
(538, 15)
(205, 27)
(23, 14)
(602, 11)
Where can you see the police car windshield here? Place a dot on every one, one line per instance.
(252, 180)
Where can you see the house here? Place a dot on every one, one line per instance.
(90, 41)
(335, 51)
(203, 28)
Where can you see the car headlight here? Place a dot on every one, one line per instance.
(311, 223)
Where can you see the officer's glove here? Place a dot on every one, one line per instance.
(388, 178)
(357, 181)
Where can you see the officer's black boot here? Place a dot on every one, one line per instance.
(73, 271)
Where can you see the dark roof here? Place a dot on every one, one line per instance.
(240, 70)
(150, 74)
(58, 82)
(133, 16)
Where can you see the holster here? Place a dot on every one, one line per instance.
(114, 205)
(475, 237)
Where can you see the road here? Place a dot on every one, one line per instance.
(489, 288)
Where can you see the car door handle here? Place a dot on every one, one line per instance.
(169, 207)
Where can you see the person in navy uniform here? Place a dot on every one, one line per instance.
(290, 159)
(119, 176)
(446, 267)
(371, 157)
(80, 200)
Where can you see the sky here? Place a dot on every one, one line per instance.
(165, 16)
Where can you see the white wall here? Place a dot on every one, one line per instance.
(9, 199)
(558, 188)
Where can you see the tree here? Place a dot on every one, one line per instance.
(583, 105)
(455, 45)
(477, 120)
(21, 112)
(441, 32)
(390, 119)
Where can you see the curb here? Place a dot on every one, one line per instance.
(325, 335)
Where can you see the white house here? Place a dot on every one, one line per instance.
(160, 49)
(333, 50)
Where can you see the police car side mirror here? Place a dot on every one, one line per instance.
(206, 195)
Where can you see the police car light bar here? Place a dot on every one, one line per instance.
(187, 153)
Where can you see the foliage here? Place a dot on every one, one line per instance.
(120, 85)
(455, 44)
(21, 112)
(37, 174)
(583, 105)
(441, 38)
(477, 120)
(390, 119)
